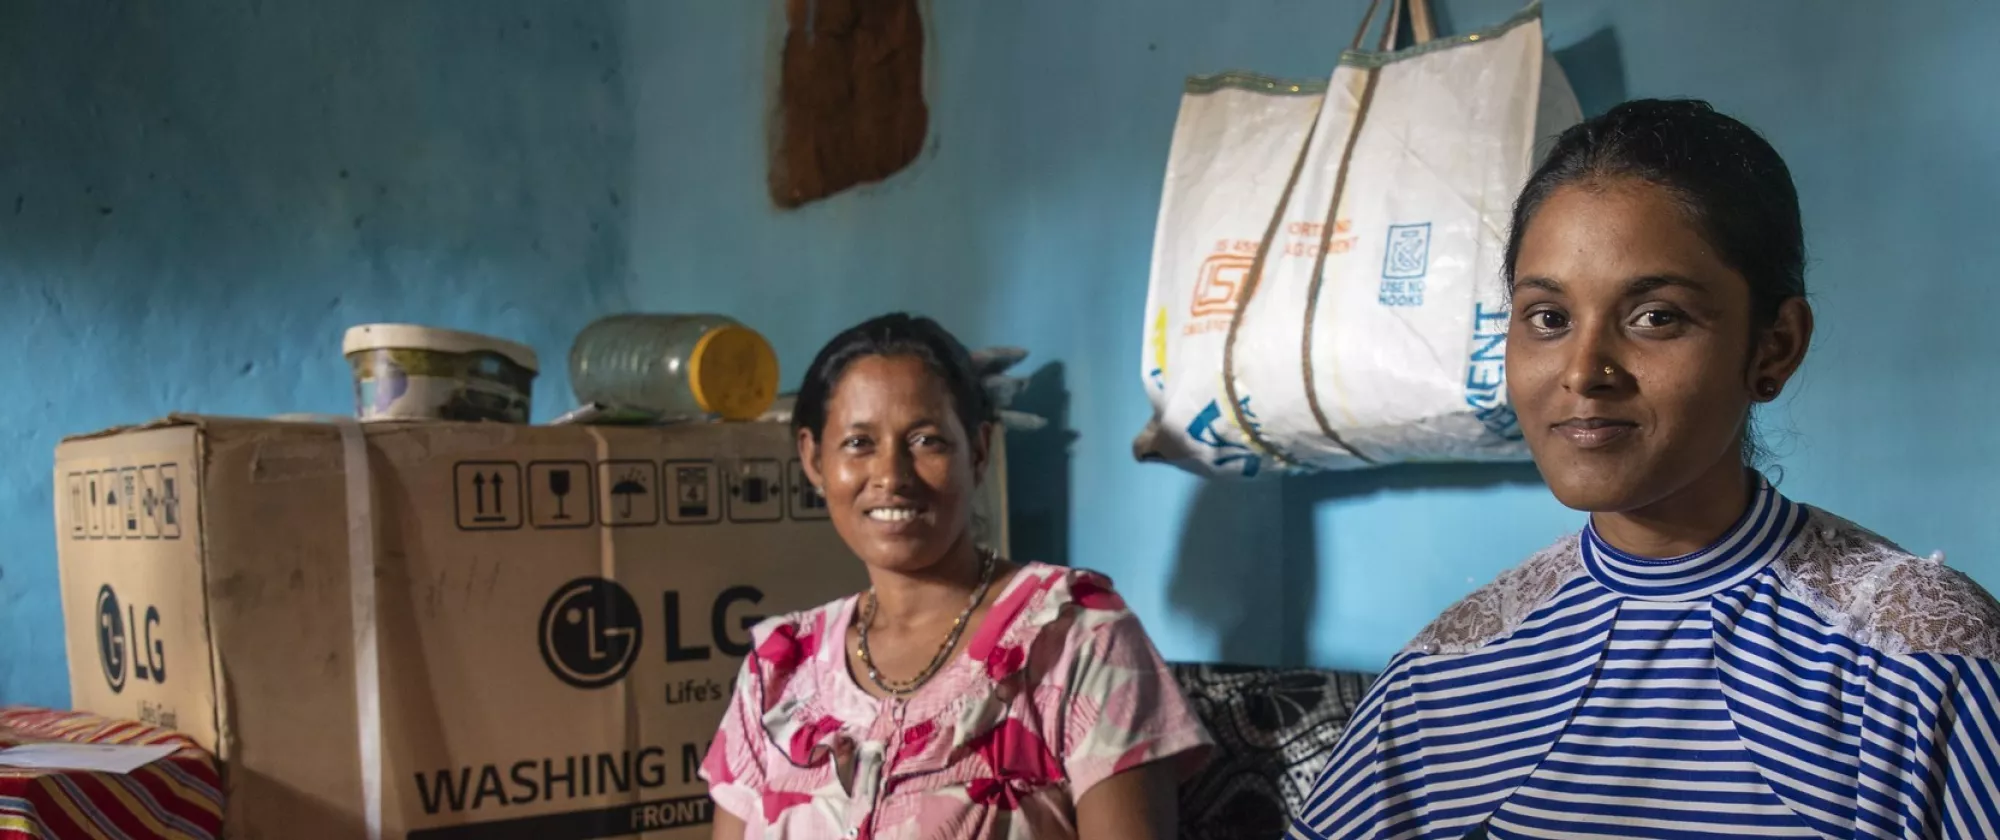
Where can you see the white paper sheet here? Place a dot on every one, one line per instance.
(104, 758)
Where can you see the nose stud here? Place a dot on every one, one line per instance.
(1610, 371)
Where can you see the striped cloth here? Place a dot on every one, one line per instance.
(1800, 678)
(177, 797)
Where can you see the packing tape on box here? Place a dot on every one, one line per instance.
(361, 601)
(361, 598)
(361, 539)
(607, 568)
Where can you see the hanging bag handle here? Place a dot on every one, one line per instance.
(1422, 26)
(1423, 29)
(1368, 22)
(1238, 412)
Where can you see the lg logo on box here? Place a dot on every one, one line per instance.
(591, 630)
(113, 643)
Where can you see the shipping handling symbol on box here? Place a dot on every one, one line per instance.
(124, 503)
(693, 493)
(494, 495)
(757, 491)
(488, 495)
(801, 496)
(631, 490)
(561, 494)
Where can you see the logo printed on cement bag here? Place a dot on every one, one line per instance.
(1334, 261)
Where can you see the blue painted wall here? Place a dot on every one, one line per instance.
(519, 167)
(196, 199)
(1031, 217)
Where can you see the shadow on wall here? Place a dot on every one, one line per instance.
(1038, 471)
(1248, 557)
(1596, 70)
(1227, 573)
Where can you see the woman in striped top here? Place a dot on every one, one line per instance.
(1707, 658)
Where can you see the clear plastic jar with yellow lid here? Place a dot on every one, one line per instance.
(675, 367)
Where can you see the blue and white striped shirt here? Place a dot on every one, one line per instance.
(1800, 678)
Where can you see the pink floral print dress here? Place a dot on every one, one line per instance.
(1059, 689)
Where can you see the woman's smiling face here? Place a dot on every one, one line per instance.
(1629, 353)
(897, 465)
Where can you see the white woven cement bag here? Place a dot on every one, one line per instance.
(1326, 289)
(1233, 149)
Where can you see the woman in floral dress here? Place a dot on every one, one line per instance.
(963, 695)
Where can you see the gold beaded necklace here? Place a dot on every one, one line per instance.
(987, 561)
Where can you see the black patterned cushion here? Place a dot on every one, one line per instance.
(1273, 729)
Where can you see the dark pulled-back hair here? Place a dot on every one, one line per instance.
(896, 334)
(1729, 181)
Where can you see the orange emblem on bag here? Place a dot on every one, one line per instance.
(1219, 284)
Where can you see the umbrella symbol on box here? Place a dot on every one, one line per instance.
(632, 484)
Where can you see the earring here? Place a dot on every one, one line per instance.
(1767, 389)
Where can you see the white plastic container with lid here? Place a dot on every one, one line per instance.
(411, 372)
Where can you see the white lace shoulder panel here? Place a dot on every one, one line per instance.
(1887, 598)
(1494, 610)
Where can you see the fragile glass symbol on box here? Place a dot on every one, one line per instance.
(559, 486)
(561, 494)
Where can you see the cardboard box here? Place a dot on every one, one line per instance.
(559, 612)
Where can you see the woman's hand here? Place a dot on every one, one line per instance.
(1139, 804)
